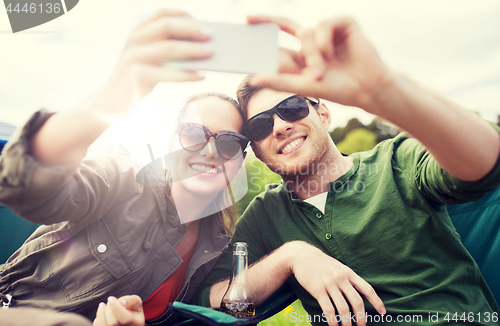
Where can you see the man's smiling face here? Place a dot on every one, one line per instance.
(292, 146)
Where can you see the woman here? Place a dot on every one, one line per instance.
(207, 152)
(107, 234)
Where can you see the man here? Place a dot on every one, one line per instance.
(373, 223)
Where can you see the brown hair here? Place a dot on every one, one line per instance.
(244, 93)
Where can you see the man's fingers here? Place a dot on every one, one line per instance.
(299, 58)
(312, 54)
(323, 35)
(341, 306)
(299, 84)
(290, 62)
(310, 50)
(328, 310)
(285, 24)
(169, 28)
(367, 290)
(356, 302)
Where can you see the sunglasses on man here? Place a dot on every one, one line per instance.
(293, 108)
(193, 137)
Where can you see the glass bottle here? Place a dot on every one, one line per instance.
(238, 301)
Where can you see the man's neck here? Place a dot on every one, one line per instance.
(331, 167)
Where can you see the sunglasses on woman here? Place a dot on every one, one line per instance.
(293, 108)
(193, 138)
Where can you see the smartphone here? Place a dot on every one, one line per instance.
(247, 49)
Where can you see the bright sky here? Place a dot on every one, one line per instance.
(450, 46)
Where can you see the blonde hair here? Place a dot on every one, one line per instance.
(227, 216)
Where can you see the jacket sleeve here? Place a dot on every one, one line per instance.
(432, 181)
(49, 194)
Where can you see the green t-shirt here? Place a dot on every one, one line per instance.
(385, 219)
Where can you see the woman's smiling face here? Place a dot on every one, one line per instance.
(201, 172)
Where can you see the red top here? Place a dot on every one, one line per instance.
(167, 292)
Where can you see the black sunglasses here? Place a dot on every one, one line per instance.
(293, 108)
(193, 137)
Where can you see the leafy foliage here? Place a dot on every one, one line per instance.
(358, 140)
(379, 127)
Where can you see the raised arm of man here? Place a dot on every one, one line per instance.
(341, 65)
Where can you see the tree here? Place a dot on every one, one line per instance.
(358, 140)
(378, 126)
(339, 133)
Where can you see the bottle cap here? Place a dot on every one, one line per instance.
(240, 248)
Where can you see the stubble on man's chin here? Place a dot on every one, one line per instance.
(310, 167)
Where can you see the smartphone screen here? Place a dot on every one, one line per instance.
(247, 49)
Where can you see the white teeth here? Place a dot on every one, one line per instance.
(204, 169)
(292, 145)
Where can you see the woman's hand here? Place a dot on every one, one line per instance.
(125, 311)
(167, 35)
